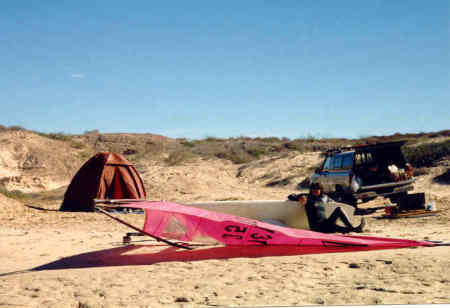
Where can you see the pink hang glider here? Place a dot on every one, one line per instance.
(166, 221)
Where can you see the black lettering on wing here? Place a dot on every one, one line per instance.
(233, 228)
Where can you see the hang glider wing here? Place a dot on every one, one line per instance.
(189, 224)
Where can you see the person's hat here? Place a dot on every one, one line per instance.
(316, 186)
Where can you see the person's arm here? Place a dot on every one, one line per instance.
(302, 200)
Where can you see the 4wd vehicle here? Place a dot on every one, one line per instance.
(364, 172)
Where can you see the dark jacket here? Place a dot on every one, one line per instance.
(315, 210)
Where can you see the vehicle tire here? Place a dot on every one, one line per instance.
(338, 194)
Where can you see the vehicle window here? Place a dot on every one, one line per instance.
(337, 162)
(369, 158)
(347, 161)
(327, 164)
(363, 158)
(358, 159)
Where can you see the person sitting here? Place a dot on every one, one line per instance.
(315, 210)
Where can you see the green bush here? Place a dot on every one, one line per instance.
(188, 144)
(426, 155)
(256, 153)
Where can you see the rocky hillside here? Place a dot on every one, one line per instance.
(30, 163)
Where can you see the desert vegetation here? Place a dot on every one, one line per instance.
(419, 151)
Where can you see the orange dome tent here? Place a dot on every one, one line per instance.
(106, 175)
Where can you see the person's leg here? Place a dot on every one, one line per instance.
(342, 229)
(327, 227)
(339, 213)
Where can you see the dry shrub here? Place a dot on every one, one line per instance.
(92, 132)
(245, 149)
(237, 155)
(178, 157)
(85, 155)
(282, 182)
(16, 128)
(77, 145)
(56, 136)
(129, 152)
(187, 143)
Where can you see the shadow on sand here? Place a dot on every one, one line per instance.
(158, 253)
(40, 208)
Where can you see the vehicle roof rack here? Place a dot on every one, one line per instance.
(363, 147)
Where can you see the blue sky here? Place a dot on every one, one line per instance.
(226, 68)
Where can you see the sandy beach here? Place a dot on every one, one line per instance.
(60, 259)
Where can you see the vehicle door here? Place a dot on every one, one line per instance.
(340, 174)
(322, 173)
